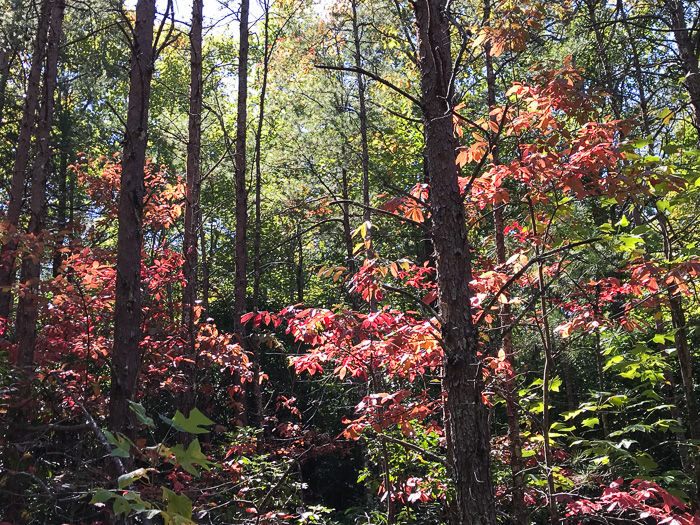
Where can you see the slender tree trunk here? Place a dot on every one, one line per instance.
(241, 278)
(463, 382)
(192, 204)
(258, 155)
(683, 353)
(62, 208)
(546, 334)
(28, 307)
(510, 384)
(257, 415)
(603, 58)
(6, 57)
(364, 157)
(126, 355)
(14, 207)
(204, 264)
(361, 95)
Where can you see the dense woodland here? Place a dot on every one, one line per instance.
(350, 262)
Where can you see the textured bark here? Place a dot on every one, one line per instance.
(463, 383)
(258, 154)
(126, 355)
(257, 412)
(28, 307)
(241, 280)
(510, 384)
(687, 44)
(683, 353)
(192, 204)
(62, 207)
(14, 207)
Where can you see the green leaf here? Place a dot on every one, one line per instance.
(141, 415)
(177, 504)
(121, 506)
(590, 422)
(624, 222)
(122, 443)
(101, 495)
(191, 457)
(193, 423)
(127, 479)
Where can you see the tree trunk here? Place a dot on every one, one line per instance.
(510, 383)
(192, 204)
(126, 355)
(463, 383)
(257, 413)
(28, 307)
(688, 56)
(241, 279)
(683, 353)
(62, 208)
(14, 207)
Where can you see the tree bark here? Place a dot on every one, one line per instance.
(29, 303)
(463, 383)
(241, 278)
(192, 204)
(14, 207)
(687, 44)
(126, 355)
(510, 383)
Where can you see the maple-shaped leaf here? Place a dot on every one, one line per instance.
(193, 423)
(187, 459)
(179, 507)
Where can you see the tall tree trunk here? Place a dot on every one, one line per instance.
(62, 208)
(14, 207)
(28, 307)
(126, 355)
(546, 335)
(600, 40)
(205, 262)
(361, 95)
(257, 413)
(687, 44)
(506, 318)
(241, 279)
(189, 294)
(463, 382)
(683, 353)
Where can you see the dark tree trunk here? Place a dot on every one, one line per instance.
(62, 207)
(192, 204)
(687, 43)
(510, 384)
(126, 355)
(28, 307)
(241, 280)
(257, 412)
(14, 207)
(463, 383)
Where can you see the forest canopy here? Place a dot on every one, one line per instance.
(350, 262)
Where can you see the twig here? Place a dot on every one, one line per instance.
(415, 448)
(92, 424)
